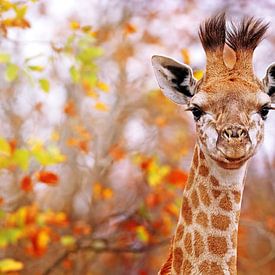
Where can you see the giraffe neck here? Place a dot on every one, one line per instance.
(206, 237)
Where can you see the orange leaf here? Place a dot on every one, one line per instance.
(68, 264)
(129, 28)
(185, 56)
(177, 177)
(69, 108)
(1, 201)
(81, 228)
(117, 153)
(26, 184)
(48, 177)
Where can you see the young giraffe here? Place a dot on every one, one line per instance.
(229, 106)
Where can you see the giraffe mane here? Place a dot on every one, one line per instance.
(212, 33)
(247, 34)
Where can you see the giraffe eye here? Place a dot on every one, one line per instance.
(197, 113)
(264, 112)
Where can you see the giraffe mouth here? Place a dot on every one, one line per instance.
(229, 161)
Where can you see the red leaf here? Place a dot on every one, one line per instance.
(26, 184)
(177, 177)
(48, 177)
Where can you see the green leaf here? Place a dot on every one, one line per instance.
(4, 58)
(9, 236)
(74, 74)
(9, 265)
(36, 68)
(67, 240)
(11, 72)
(44, 85)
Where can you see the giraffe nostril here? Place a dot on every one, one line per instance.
(227, 133)
(234, 132)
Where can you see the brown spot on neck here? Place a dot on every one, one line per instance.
(214, 181)
(195, 158)
(195, 199)
(186, 211)
(198, 244)
(217, 245)
(225, 203)
(203, 171)
(204, 197)
(220, 222)
(202, 219)
(177, 259)
(179, 233)
(188, 243)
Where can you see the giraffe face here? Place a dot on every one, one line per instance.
(230, 120)
(229, 108)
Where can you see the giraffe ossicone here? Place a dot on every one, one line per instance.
(229, 106)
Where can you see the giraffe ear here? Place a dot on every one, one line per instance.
(175, 79)
(269, 82)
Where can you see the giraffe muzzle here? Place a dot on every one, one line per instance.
(234, 132)
(234, 142)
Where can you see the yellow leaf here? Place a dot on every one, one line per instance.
(142, 234)
(5, 148)
(67, 240)
(198, 74)
(43, 239)
(156, 173)
(74, 25)
(185, 56)
(9, 265)
(21, 158)
(103, 86)
(55, 136)
(100, 106)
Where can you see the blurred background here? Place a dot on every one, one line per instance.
(93, 158)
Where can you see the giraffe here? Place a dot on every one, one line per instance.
(229, 106)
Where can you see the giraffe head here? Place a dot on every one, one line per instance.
(229, 105)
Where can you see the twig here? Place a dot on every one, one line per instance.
(104, 249)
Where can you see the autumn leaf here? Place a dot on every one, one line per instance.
(48, 177)
(10, 265)
(81, 228)
(36, 68)
(198, 74)
(129, 28)
(142, 234)
(177, 177)
(11, 72)
(75, 76)
(26, 184)
(74, 25)
(185, 56)
(103, 86)
(5, 148)
(69, 108)
(117, 153)
(5, 58)
(67, 240)
(100, 106)
(44, 84)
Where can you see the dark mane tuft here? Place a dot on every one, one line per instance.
(212, 32)
(247, 34)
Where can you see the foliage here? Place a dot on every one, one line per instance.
(93, 158)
